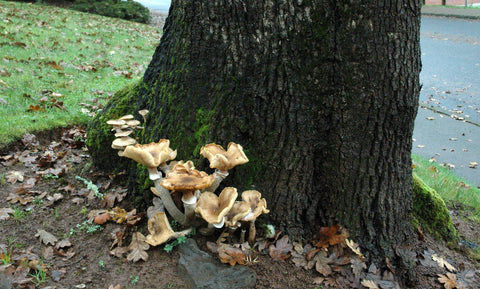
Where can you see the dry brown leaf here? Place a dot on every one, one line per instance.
(231, 255)
(46, 237)
(58, 274)
(443, 263)
(448, 280)
(117, 235)
(118, 286)
(20, 276)
(119, 251)
(138, 248)
(102, 219)
(358, 266)
(329, 236)
(5, 213)
(63, 244)
(281, 250)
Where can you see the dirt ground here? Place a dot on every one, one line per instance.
(41, 190)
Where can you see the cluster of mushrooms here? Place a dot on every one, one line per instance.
(196, 187)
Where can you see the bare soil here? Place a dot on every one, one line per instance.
(50, 197)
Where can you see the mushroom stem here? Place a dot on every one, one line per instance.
(189, 204)
(164, 167)
(211, 228)
(153, 173)
(242, 236)
(219, 177)
(252, 232)
(170, 206)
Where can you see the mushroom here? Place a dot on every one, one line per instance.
(123, 133)
(160, 230)
(168, 203)
(222, 160)
(258, 207)
(151, 155)
(143, 113)
(126, 117)
(123, 142)
(213, 208)
(239, 211)
(187, 181)
(117, 124)
(166, 168)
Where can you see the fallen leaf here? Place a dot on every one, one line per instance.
(369, 284)
(281, 250)
(231, 255)
(102, 219)
(329, 236)
(443, 263)
(63, 244)
(14, 176)
(358, 266)
(46, 237)
(58, 274)
(354, 247)
(448, 280)
(5, 213)
(138, 248)
(117, 235)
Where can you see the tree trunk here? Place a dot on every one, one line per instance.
(321, 94)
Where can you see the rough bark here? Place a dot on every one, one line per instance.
(322, 94)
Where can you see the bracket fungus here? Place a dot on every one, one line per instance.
(187, 181)
(160, 230)
(213, 208)
(222, 160)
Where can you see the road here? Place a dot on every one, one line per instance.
(451, 84)
(451, 66)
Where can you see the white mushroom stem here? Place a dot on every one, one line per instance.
(164, 167)
(170, 206)
(219, 177)
(154, 174)
(242, 236)
(211, 227)
(189, 204)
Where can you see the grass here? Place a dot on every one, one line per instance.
(449, 186)
(54, 59)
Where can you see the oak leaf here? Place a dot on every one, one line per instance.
(138, 248)
(14, 176)
(329, 236)
(281, 250)
(448, 280)
(46, 237)
(369, 284)
(231, 255)
(354, 247)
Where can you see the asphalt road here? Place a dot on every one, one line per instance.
(451, 66)
(451, 84)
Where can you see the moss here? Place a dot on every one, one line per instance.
(430, 211)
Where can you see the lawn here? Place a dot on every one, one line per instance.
(57, 63)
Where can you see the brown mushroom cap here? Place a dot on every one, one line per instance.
(256, 203)
(224, 160)
(239, 210)
(123, 142)
(182, 179)
(151, 155)
(160, 230)
(213, 208)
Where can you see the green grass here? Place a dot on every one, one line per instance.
(56, 59)
(448, 185)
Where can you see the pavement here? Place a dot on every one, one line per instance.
(444, 138)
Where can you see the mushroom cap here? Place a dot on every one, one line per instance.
(188, 164)
(152, 154)
(181, 179)
(143, 112)
(160, 230)
(239, 210)
(116, 122)
(133, 123)
(213, 208)
(123, 133)
(126, 117)
(221, 159)
(256, 203)
(122, 142)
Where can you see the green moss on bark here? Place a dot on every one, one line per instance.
(431, 212)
